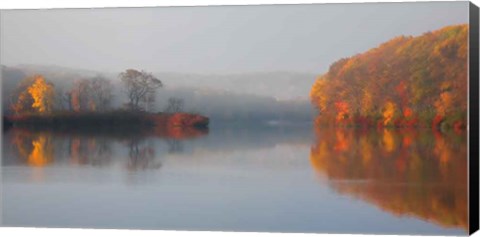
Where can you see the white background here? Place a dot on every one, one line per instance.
(29, 4)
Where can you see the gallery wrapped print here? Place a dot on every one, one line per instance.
(307, 118)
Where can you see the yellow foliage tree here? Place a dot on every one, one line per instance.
(318, 94)
(21, 99)
(388, 112)
(42, 94)
(444, 103)
(367, 103)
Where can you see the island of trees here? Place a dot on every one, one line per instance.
(405, 82)
(38, 104)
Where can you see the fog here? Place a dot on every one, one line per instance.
(224, 99)
(226, 62)
(216, 39)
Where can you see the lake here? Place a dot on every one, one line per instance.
(288, 178)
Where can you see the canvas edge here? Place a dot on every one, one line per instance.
(473, 119)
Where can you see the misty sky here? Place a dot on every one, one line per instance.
(218, 39)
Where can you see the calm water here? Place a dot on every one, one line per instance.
(275, 179)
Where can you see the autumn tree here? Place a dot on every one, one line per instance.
(174, 105)
(140, 87)
(42, 93)
(80, 95)
(21, 101)
(67, 100)
(407, 81)
(63, 100)
(101, 92)
(34, 94)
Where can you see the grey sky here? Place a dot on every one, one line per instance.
(218, 39)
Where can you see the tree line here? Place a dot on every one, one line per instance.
(37, 95)
(407, 81)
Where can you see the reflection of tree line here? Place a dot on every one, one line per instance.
(41, 149)
(94, 151)
(141, 156)
(404, 172)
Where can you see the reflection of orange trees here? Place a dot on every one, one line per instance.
(180, 133)
(91, 146)
(35, 150)
(404, 172)
(42, 152)
(89, 150)
(141, 156)
(83, 150)
(75, 144)
(179, 126)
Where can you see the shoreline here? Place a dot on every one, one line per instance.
(120, 123)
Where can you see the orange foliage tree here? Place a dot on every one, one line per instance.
(33, 95)
(407, 81)
(42, 94)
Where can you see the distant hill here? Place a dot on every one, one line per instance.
(280, 96)
(407, 81)
(229, 106)
(280, 85)
(55, 71)
(10, 78)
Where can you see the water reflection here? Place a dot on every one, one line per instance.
(83, 151)
(34, 150)
(174, 146)
(141, 156)
(404, 172)
(42, 148)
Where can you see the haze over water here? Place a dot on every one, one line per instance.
(239, 66)
(268, 178)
